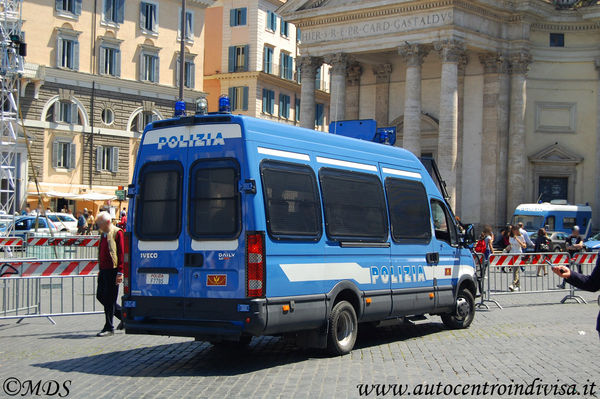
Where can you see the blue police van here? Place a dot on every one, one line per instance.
(241, 227)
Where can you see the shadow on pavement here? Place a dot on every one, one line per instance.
(202, 359)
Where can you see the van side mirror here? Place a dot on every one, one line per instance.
(468, 237)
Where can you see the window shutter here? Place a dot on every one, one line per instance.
(99, 158)
(115, 160)
(74, 113)
(154, 26)
(75, 55)
(280, 105)
(156, 69)
(189, 24)
(264, 101)
(244, 13)
(265, 67)
(55, 154)
(77, 7)
(271, 102)
(231, 58)
(108, 10)
(290, 68)
(232, 17)
(232, 98)
(59, 50)
(177, 69)
(141, 66)
(192, 75)
(118, 63)
(246, 57)
(55, 111)
(245, 100)
(142, 15)
(120, 11)
(102, 60)
(72, 156)
(281, 67)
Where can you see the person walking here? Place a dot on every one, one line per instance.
(90, 223)
(542, 244)
(525, 236)
(110, 259)
(517, 245)
(80, 224)
(574, 244)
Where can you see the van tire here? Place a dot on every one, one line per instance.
(343, 329)
(463, 313)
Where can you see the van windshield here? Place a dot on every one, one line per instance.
(530, 222)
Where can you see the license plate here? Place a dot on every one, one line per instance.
(157, 278)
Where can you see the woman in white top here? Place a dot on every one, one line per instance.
(517, 245)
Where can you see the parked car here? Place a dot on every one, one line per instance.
(593, 243)
(27, 225)
(65, 222)
(557, 238)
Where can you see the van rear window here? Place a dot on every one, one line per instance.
(354, 206)
(409, 210)
(158, 210)
(292, 204)
(214, 200)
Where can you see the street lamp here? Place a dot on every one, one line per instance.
(180, 105)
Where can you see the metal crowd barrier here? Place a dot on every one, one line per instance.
(534, 275)
(46, 247)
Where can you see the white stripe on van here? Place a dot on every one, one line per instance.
(229, 245)
(297, 272)
(404, 173)
(347, 164)
(283, 154)
(158, 245)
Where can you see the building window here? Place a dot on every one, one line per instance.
(271, 21)
(284, 106)
(318, 79)
(68, 7)
(110, 61)
(149, 17)
(189, 25)
(238, 58)
(114, 11)
(237, 16)
(108, 116)
(553, 188)
(285, 28)
(63, 154)
(67, 53)
(287, 66)
(268, 101)
(149, 67)
(298, 35)
(189, 73)
(297, 110)
(107, 159)
(557, 40)
(63, 112)
(239, 98)
(268, 60)
(319, 117)
(142, 119)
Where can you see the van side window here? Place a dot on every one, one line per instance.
(444, 227)
(292, 204)
(568, 223)
(158, 210)
(409, 210)
(214, 200)
(354, 206)
(550, 223)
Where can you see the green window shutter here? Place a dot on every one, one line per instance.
(245, 100)
(264, 100)
(72, 156)
(244, 15)
(55, 154)
(231, 59)
(246, 57)
(231, 91)
(232, 21)
(75, 55)
(115, 160)
(99, 158)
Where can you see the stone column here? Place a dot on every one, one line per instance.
(517, 161)
(450, 52)
(353, 74)
(462, 66)
(382, 93)
(503, 109)
(413, 55)
(308, 70)
(337, 105)
(596, 205)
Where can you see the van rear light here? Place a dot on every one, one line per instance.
(126, 262)
(255, 264)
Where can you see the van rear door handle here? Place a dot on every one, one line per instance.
(433, 258)
(193, 260)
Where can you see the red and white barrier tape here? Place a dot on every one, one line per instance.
(587, 258)
(58, 267)
(11, 242)
(76, 241)
(502, 260)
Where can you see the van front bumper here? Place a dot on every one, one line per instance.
(201, 318)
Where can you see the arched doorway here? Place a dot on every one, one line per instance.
(429, 134)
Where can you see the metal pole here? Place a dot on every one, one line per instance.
(182, 51)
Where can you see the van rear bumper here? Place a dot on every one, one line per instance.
(194, 317)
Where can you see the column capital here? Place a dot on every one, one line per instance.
(597, 64)
(338, 61)
(413, 54)
(450, 50)
(494, 63)
(519, 62)
(382, 72)
(463, 60)
(353, 74)
(309, 64)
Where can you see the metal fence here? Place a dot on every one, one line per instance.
(45, 247)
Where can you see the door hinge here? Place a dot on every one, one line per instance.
(248, 186)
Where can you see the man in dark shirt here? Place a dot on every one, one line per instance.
(574, 244)
(110, 259)
(80, 224)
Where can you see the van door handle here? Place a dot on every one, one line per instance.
(193, 260)
(433, 258)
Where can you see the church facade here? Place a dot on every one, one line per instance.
(503, 94)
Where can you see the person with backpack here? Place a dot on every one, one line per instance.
(542, 244)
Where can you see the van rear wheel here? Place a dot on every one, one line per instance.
(464, 311)
(343, 329)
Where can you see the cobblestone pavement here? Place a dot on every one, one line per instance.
(552, 342)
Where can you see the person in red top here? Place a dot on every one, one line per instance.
(123, 222)
(110, 262)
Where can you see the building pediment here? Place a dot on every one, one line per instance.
(555, 154)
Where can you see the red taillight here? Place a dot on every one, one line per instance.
(126, 263)
(255, 264)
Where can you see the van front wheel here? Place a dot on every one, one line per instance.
(343, 329)
(464, 311)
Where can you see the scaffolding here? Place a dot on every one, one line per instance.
(11, 66)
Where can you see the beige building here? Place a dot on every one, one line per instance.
(96, 73)
(251, 55)
(504, 94)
